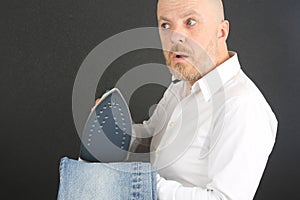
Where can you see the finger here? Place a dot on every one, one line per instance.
(97, 101)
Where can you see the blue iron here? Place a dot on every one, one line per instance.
(107, 132)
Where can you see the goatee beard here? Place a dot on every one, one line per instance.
(178, 71)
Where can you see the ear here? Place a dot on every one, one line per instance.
(223, 30)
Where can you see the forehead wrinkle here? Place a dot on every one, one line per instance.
(192, 12)
(169, 6)
(183, 15)
(215, 6)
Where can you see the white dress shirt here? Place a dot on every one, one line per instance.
(211, 140)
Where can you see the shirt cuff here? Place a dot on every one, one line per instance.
(166, 189)
(173, 190)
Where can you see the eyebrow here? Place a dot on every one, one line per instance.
(193, 12)
(163, 18)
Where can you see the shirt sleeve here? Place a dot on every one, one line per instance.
(238, 156)
(173, 190)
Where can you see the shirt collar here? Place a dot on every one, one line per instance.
(174, 80)
(215, 79)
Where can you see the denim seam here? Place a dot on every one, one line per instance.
(61, 171)
(132, 177)
(141, 193)
(136, 182)
(154, 185)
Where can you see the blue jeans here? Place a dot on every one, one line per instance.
(108, 181)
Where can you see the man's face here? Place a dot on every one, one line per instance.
(189, 30)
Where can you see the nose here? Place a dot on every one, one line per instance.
(177, 37)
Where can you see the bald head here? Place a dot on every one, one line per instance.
(216, 7)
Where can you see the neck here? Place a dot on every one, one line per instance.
(223, 56)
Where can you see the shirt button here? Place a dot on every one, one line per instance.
(171, 124)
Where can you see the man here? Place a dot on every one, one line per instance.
(226, 125)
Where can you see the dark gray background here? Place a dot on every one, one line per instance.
(43, 43)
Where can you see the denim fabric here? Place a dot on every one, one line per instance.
(108, 181)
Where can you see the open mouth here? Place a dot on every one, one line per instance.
(179, 56)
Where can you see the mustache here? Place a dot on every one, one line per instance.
(180, 48)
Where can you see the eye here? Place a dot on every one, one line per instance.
(165, 25)
(191, 22)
